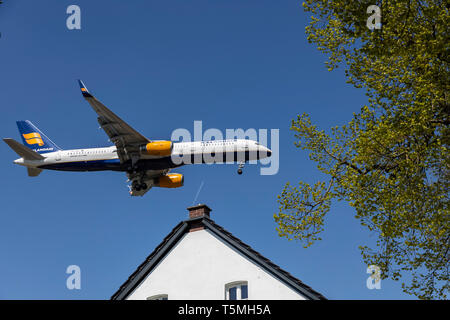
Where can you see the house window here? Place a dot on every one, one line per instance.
(159, 297)
(236, 290)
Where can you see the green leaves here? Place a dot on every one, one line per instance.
(391, 161)
(302, 211)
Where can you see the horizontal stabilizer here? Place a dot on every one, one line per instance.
(34, 172)
(22, 151)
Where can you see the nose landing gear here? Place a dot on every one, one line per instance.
(241, 165)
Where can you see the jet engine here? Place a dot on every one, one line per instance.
(171, 180)
(157, 148)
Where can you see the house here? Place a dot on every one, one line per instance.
(199, 260)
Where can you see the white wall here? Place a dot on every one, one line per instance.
(199, 266)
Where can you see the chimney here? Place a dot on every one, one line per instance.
(200, 210)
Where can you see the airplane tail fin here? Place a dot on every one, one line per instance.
(35, 139)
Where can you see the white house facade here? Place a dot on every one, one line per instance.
(199, 260)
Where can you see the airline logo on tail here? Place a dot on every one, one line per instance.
(33, 138)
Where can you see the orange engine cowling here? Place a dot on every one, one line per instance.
(157, 148)
(171, 180)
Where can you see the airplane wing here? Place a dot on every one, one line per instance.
(126, 139)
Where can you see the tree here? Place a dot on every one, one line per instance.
(391, 160)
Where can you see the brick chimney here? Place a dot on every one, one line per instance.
(200, 210)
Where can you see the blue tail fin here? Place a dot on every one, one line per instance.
(35, 139)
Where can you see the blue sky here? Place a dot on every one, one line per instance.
(160, 65)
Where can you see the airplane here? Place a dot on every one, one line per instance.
(147, 163)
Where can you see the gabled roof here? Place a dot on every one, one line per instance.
(182, 228)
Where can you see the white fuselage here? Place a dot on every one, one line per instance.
(214, 151)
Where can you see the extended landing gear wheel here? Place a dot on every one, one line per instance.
(140, 186)
(241, 165)
(136, 186)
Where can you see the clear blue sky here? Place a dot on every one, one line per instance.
(160, 65)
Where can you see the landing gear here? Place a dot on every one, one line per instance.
(136, 186)
(142, 181)
(137, 178)
(139, 186)
(241, 165)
